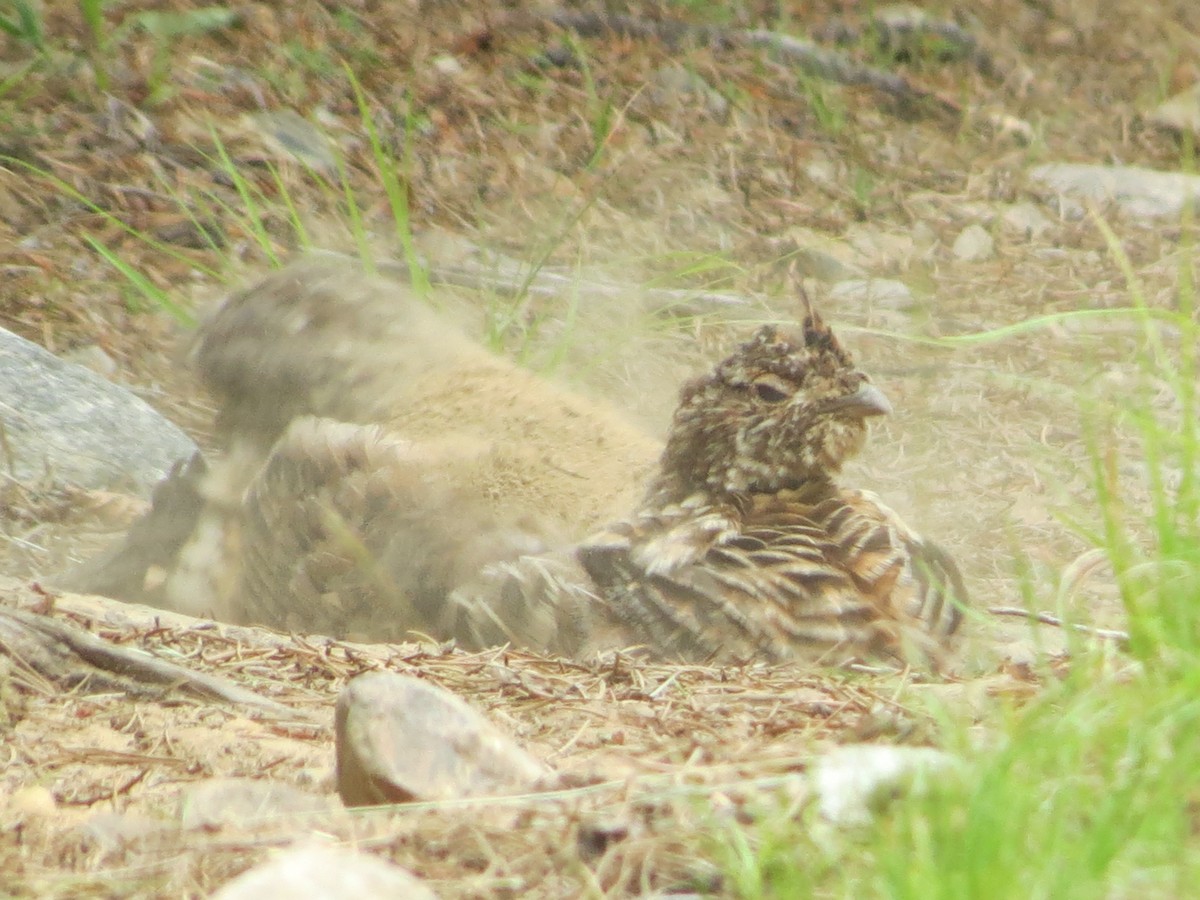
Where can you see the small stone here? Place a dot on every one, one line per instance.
(188, 231)
(239, 802)
(33, 801)
(1026, 220)
(854, 783)
(821, 170)
(1009, 126)
(1179, 113)
(924, 239)
(314, 871)
(974, 244)
(401, 739)
(447, 65)
(1061, 38)
(676, 86)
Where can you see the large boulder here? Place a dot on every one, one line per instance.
(65, 422)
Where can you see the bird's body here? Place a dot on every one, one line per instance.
(745, 547)
(389, 519)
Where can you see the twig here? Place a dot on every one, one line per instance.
(1108, 634)
(127, 662)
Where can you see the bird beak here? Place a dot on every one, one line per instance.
(868, 400)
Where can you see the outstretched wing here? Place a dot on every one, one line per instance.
(349, 530)
(318, 337)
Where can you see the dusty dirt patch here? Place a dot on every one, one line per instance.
(651, 759)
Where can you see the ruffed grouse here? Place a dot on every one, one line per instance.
(366, 525)
(743, 547)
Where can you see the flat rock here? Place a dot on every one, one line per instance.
(241, 802)
(313, 871)
(1138, 192)
(63, 420)
(854, 783)
(886, 251)
(401, 739)
(873, 292)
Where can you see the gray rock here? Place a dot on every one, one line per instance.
(401, 739)
(974, 244)
(1178, 113)
(313, 871)
(66, 421)
(854, 783)
(1138, 192)
(907, 31)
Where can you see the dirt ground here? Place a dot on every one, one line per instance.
(613, 155)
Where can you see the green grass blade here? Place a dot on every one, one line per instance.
(156, 296)
(394, 186)
(70, 191)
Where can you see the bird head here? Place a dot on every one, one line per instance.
(786, 408)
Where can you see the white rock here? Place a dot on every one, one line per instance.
(1139, 192)
(974, 244)
(313, 871)
(447, 65)
(854, 783)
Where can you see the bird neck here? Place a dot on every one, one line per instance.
(671, 488)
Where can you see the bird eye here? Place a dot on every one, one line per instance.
(769, 392)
